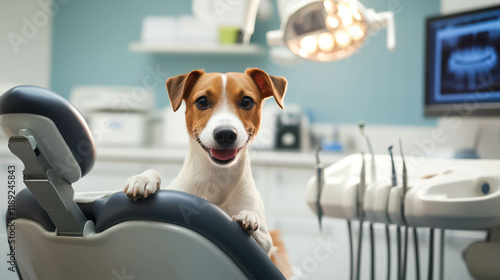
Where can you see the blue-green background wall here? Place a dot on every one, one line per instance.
(91, 40)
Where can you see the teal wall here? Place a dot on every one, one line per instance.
(91, 39)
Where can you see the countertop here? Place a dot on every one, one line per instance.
(176, 155)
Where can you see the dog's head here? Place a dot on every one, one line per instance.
(223, 110)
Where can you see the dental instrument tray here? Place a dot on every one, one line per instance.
(433, 193)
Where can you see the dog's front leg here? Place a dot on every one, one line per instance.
(251, 223)
(143, 185)
(264, 239)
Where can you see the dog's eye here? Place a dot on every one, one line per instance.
(202, 103)
(247, 103)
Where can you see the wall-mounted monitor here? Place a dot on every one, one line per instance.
(463, 64)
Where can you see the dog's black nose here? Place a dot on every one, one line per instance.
(225, 135)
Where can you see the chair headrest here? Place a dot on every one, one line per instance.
(61, 132)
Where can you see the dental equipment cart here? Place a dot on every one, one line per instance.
(460, 194)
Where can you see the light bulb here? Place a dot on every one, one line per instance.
(326, 42)
(355, 13)
(328, 6)
(309, 44)
(303, 53)
(342, 9)
(332, 21)
(342, 38)
(356, 32)
(347, 20)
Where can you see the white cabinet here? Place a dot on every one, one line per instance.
(110, 175)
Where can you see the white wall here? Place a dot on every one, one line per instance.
(25, 54)
(452, 6)
(25, 44)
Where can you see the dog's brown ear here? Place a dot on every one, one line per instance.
(179, 87)
(269, 85)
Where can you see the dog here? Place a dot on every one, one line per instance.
(223, 115)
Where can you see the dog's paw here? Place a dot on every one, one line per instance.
(141, 186)
(248, 220)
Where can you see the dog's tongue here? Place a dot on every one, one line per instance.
(223, 154)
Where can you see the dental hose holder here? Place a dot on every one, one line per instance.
(320, 182)
(361, 190)
(404, 176)
(360, 194)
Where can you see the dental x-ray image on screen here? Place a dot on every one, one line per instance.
(469, 57)
(463, 57)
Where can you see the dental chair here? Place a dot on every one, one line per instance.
(171, 235)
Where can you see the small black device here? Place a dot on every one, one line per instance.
(288, 136)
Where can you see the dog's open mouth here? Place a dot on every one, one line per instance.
(220, 156)
(223, 156)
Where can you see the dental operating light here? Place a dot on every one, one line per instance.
(327, 30)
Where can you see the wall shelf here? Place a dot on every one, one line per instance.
(198, 48)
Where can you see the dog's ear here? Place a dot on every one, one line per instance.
(179, 87)
(268, 85)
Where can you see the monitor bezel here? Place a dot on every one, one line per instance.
(490, 109)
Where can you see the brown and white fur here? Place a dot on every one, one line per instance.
(215, 168)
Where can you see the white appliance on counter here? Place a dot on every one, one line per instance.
(116, 115)
(177, 29)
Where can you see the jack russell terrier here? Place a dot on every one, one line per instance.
(223, 114)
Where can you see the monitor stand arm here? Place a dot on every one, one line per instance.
(54, 194)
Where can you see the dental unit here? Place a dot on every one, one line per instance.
(398, 228)
(404, 177)
(455, 194)
(414, 230)
(373, 177)
(360, 213)
(319, 211)
(320, 179)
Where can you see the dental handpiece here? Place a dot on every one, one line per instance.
(393, 174)
(405, 189)
(361, 189)
(373, 173)
(404, 175)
